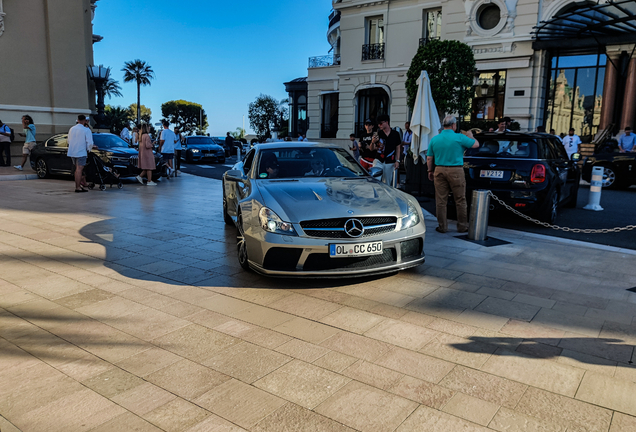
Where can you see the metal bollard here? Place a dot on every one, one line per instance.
(596, 186)
(478, 221)
(394, 178)
(238, 153)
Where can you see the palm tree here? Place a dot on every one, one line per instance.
(112, 88)
(140, 72)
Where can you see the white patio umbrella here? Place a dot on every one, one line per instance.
(425, 122)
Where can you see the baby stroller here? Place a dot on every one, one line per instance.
(98, 172)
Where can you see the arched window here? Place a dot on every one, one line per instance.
(371, 103)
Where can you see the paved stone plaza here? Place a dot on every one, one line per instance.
(126, 310)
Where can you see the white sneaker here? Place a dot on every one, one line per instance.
(151, 183)
(18, 167)
(139, 179)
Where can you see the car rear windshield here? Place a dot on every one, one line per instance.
(108, 141)
(504, 148)
(200, 140)
(307, 162)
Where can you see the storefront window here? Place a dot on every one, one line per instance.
(489, 93)
(575, 94)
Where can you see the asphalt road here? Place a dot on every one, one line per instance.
(619, 210)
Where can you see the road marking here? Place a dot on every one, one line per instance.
(229, 166)
(205, 166)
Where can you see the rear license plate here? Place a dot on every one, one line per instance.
(355, 250)
(491, 174)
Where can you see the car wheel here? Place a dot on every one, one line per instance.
(41, 169)
(574, 196)
(610, 179)
(226, 217)
(240, 244)
(549, 213)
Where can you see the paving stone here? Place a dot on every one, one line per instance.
(567, 322)
(510, 309)
(459, 350)
(423, 392)
(335, 361)
(126, 421)
(623, 423)
(357, 346)
(428, 419)
(507, 420)
(415, 364)
(302, 350)
(372, 374)
(113, 382)
(471, 409)
(187, 379)
(401, 334)
(195, 342)
(608, 392)
(353, 320)
(292, 418)
(176, 415)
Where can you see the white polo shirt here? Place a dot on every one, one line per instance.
(80, 141)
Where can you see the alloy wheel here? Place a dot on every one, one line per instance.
(240, 243)
(609, 177)
(41, 169)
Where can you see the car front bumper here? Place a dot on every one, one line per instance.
(299, 256)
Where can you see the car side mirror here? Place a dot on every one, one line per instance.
(376, 172)
(576, 157)
(233, 174)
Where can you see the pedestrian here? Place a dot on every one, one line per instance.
(540, 129)
(146, 160)
(390, 145)
(625, 143)
(80, 142)
(166, 146)
(445, 160)
(125, 134)
(502, 126)
(177, 151)
(368, 152)
(29, 140)
(134, 139)
(355, 147)
(406, 139)
(5, 144)
(229, 143)
(571, 142)
(300, 137)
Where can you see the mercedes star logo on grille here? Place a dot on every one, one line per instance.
(354, 228)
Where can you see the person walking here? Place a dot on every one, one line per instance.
(355, 147)
(445, 160)
(29, 140)
(125, 134)
(177, 151)
(146, 161)
(5, 144)
(406, 139)
(390, 145)
(80, 142)
(166, 146)
(368, 152)
(625, 143)
(571, 142)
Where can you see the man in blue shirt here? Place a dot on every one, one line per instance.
(445, 160)
(626, 142)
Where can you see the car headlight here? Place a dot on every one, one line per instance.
(411, 219)
(195, 151)
(270, 222)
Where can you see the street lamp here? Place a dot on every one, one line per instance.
(99, 75)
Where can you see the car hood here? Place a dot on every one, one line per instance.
(326, 198)
(206, 147)
(120, 151)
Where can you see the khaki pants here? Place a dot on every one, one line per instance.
(449, 179)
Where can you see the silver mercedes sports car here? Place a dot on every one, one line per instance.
(305, 209)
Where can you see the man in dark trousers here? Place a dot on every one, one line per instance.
(389, 143)
(445, 160)
(229, 143)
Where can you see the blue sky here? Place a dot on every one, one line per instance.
(217, 53)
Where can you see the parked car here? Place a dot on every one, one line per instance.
(310, 210)
(202, 149)
(530, 172)
(49, 157)
(619, 169)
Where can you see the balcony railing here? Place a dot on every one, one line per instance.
(373, 52)
(324, 61)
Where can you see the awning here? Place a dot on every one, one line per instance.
(612, 22)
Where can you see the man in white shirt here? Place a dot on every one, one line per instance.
(166, 146)
(571, 143)
(80, 142)
(125, 134)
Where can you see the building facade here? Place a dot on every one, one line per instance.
(552, 63)
(45, 47)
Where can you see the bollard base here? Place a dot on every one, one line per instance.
(594, 207)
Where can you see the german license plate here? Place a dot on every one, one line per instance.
(355, 250)
(491, 174)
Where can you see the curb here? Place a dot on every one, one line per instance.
(18, 177)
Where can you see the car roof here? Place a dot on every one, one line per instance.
(295, 145)
(514, 135)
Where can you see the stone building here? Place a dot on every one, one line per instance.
(556, 63)
(45, 47)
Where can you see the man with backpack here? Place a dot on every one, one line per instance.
(6, 136)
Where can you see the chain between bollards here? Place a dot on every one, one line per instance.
(556, 227)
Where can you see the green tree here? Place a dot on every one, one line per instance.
(186, 116)
(112, 88)
(264, 113)
(239, 133)
(117, 117)
(145, 113)
(451, 68)
(141, 73)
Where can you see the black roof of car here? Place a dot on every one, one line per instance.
(514, 134)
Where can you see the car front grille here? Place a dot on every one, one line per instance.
(282, 259)
(134, 160)
(411, 248)
(322, 261)
(334, 228)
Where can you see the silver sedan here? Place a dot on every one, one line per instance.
(310, 210)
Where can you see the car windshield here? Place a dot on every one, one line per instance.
(108, 141)
(200, 141)
(308, 162)
(492, 147)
